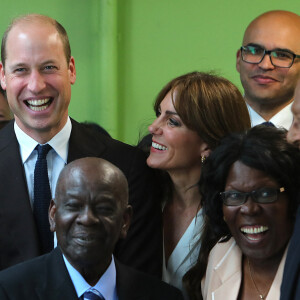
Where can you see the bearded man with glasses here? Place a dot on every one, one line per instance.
(269, 66)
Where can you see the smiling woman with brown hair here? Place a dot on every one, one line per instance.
(249, 186)
(194, 111)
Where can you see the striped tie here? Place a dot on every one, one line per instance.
(92, 295)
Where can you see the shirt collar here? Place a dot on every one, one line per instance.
(59, 142)
(106, 285)
(283, 118)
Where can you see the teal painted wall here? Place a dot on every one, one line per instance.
(126, 50)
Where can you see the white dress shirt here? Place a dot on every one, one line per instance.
(56, 158)
(283, 118)
(106, 285)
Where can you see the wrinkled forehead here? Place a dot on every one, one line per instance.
(93, 183)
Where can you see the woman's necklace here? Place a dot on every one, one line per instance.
(261, 296)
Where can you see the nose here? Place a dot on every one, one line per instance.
(250, 207)
(36, 82)
(87, 217)
(266, 63)
(155, 127)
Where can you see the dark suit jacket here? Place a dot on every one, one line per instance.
(47, 278)
(290, 287)
(142, 248)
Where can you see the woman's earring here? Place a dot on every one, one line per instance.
(203, 158)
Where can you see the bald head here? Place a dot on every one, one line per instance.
(93, 173)
(277, 25)
(36, 19)
(269, 88)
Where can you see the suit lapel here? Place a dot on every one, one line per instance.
(57, 283)
(82, 143)
(126, 287)
(14, 193)
(229, 272)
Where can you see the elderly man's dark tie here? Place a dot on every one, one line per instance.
(42, 197)
(91, 296)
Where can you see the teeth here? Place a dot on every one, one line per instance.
(38, 108)
(37, 105)
(158, 146)
(38, 102)
(255, 230)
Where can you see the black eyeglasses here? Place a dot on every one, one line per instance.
(263, 195)
(279, 58)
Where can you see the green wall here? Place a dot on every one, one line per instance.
(126, 50)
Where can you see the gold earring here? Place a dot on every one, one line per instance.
(203, 159)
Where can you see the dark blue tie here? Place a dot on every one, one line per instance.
(91, 296)
(268, 124)
(42, 197)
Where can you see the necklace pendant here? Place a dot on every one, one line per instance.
(261, 297)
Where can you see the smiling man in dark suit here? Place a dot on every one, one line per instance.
(89, 214)
(37, 71)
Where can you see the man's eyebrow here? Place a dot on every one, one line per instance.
(17, 65)
(274, 49)
(49, 61)
(255, 45)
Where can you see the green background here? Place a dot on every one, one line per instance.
(127, 50)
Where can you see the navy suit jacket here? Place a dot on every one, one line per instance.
(290, 287)
(142, 249)
(47, 278)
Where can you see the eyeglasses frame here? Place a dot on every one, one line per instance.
(268, 52)
(247, 194)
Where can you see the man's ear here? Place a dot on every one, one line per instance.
(72, 70)
(51, 213)
(2, 76)
(126, 221)
(238, 60)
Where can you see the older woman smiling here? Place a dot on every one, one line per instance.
(250, 185)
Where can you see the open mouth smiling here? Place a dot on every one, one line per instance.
(159, 146)
(39, 104)
(254, 233)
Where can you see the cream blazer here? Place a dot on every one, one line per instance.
(224, 274)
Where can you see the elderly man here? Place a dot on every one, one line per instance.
(269, 66)
(89, 214)
(37, 71)
(290, 287)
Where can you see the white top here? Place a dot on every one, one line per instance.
(185, 254)
(283, 118)
(106, 285)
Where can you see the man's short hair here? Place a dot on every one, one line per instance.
(36, 17)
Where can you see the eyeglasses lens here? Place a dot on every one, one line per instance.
(234, 198)
(255, 55)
